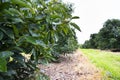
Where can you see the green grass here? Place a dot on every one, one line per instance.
(108, 62)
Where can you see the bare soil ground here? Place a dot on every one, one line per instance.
(72, 67)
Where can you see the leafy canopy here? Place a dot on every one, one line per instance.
(31, 28)
(107, 38)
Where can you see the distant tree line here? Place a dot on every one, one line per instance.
(107, 38)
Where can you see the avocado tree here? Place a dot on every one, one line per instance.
(91, 43)
(109, 34)
(30, 28)
(108, 37)
(65, 44)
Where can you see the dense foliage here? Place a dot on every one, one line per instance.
(107, 38)
(65, 44)
(29, 32)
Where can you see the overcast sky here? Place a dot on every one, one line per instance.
(93, 14)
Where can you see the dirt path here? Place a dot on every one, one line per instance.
(72, 67)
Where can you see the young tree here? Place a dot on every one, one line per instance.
(30, 27)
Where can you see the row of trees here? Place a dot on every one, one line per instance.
(40, 29)
(107, 38)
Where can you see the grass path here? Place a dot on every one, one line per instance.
(108, 62)
(72, 67)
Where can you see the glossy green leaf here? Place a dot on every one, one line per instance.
(19, 2)
(31, 40)
(17, 20)
(75, 17)
(42, 2)
(65, 30)
(16, 12)
(6, 54)
(75, 26)
(8, 32)
(34, 55)
(34, 41)
(41, 43)
(8, 12)
(13, 12)
(39, 17)
(54, 16)
(20, 41)
(24, 3)
(18, 48)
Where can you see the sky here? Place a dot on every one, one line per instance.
(93, 14)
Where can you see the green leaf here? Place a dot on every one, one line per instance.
(6, 54)
(31, 40)
(8, 32)
(24, 4)
(34, 41)
(54, 16)
(39, 17)
(17, 20)
(34, 34)
(15, 30)
(43, 3)
(20, 41)
(19, 2)
(8, 12)
(34, 55)
(75, 17)
(65, 30)
(41, 43)
(3, 63)
(1, 35)
(75, 26)
(15, 11)
(19, 49)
